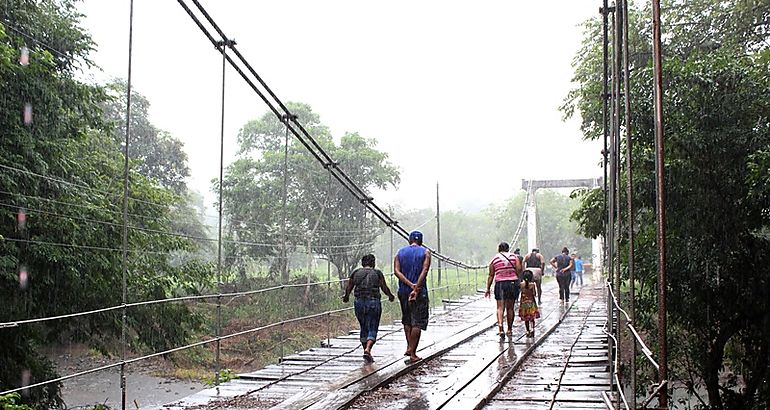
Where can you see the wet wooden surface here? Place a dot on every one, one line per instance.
(570, 369)
(303, 379)
(466, 365)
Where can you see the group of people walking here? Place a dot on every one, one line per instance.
(504, 271)
(410, 265)
(515, 278)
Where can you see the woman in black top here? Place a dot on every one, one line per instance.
(367, 282)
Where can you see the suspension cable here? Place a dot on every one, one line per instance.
(299, 131)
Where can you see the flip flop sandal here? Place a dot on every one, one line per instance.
(368, 357)
(413, 361)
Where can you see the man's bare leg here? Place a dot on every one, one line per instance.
(407, 333)
(414, 340)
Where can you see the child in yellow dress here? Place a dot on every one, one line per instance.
(528, 310)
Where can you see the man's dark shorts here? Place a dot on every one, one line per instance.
(507, 290)
(415, 312)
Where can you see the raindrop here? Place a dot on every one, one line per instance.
(23, 278)
(26, 377)
(21, 219)
(24, 56)
(27, 114)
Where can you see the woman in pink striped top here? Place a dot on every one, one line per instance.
(504, 270)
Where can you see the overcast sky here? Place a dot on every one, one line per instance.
(464, 93)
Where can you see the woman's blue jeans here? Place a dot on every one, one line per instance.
(368, 312)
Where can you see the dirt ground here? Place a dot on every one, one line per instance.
(143, 387)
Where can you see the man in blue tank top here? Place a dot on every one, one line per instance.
(410, 266)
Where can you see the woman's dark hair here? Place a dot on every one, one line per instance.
(528, 277)
(368, 261)
(565, 250)
(503, 247)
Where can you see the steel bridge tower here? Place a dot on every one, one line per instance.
(531, 186)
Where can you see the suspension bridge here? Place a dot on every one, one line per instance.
(572, 362)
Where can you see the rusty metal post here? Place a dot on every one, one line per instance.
(616, 164)
(605, 151)
(605, 116)
(611, 194)
(660, 200)
(629, 197)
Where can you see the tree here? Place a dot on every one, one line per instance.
(716, 105)
(160, 156)
(61, 218)
(319, 212)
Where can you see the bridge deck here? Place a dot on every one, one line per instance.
(465, 364)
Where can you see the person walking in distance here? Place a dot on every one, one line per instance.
(503, 270)
(579, 270)
(367, 282)
(535, 263)
(528, 310)
(517, 252)
(562, 264)
(410, 265)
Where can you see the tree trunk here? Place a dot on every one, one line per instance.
(714, 356)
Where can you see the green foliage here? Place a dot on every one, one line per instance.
(64, 170)
(12, 401)
(320, 214)
(160, 157)
(716, 105)
(224, 375)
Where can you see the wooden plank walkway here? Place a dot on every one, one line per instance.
(339, 364)
(465, 365)
(570, 369)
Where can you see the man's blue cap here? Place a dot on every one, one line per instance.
(415, 236)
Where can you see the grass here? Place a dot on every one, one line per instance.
(257, 349)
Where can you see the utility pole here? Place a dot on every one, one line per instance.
(438, 233)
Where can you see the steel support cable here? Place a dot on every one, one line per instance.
(82, 186)
(168, 300)
(629, 195)
(126, 187)
(218, 329)
(660, 200)
(616, 132)
(302, 140)
(82, 206)
(320, 155)
(327, 159)
(520, 226)
(340, 233)
(124, 362)
(96, 221)
(646, 350)
(168, 233)
(621, 394)
(29, 37)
